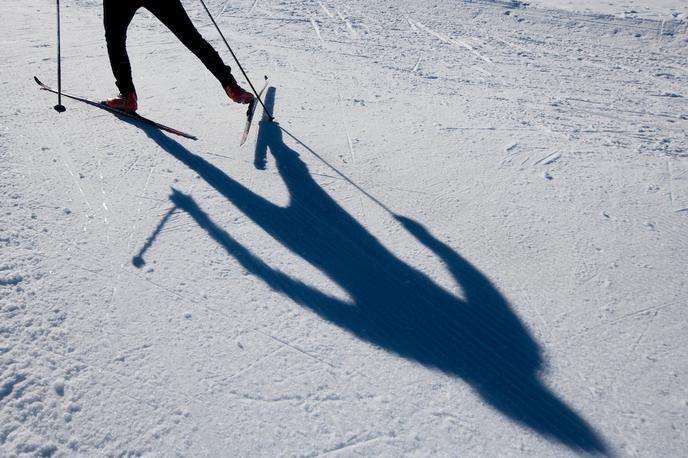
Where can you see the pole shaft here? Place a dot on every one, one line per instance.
(236, 60)
(59, 58)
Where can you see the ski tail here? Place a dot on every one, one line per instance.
(250, 113)
(127, 114)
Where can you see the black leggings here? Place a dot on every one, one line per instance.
(117, 15)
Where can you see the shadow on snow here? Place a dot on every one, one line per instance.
(394, 306)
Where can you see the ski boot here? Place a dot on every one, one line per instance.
(121, 102)
(237, 94)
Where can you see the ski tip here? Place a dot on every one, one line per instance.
(35, 78)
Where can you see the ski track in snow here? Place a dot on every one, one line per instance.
(317, 30)
(546, 147)
(452, 41)
(346, 21)
(253, 7)
(416, 66)
(326, 10)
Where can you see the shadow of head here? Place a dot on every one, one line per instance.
(477, 337)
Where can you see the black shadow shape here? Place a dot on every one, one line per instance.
(394, 306)
(138, 260)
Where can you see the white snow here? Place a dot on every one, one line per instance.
(654, 9)
(465, 237)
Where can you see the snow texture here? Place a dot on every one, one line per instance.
(465, 235)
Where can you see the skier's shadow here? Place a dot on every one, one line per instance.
(394, 306)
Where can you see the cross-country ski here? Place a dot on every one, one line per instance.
(250, 112)
(132, 115)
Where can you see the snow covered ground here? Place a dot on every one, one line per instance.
(654, 9)
(465, 237)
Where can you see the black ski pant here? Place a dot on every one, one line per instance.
(117, 15)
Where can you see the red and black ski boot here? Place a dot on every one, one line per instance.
(237, 94)
(121, 102)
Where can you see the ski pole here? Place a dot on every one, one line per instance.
(59, 107)
(272, 118)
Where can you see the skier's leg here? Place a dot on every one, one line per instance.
(117, 15)
(172, 14)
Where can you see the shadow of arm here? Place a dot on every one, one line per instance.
(233, 190)
(489, 313)
(476, 286)
(324, 305)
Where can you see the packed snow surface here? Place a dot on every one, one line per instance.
(465, 234)
(649, 9)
